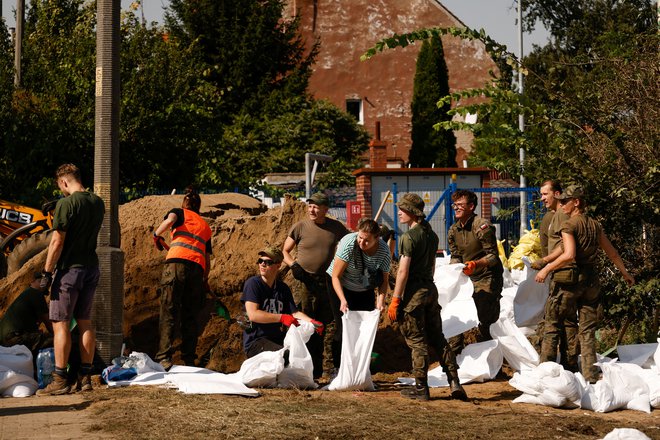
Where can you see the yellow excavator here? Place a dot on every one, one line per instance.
(24, 232)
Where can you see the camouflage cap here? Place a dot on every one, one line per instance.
(412, 203)
(319, 199)
(273, 253)
(572, 192)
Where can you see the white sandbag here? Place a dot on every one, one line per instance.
(450, 281)
(262, 369)
(14, 384)
(530, 298)
(459, 314)
(518, 275)
(507, 279)
(548, 384)
(626, 434)
(515, 347)
(358, 336)
(656, 359)
(17, 358)
(652, 379)
(477, 363)
(506, 303)
(142, 363)
(299, 373)
(638, 354)
(619, 388)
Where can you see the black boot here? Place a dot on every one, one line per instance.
(420, 391)
(455, 388)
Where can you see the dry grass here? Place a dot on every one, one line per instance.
(150, 412)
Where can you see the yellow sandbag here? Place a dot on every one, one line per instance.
(502, 254)
(529, 246)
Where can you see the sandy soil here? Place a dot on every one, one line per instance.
(151, 412)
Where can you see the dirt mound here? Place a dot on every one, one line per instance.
(241, 226)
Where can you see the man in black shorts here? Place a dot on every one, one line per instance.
(72, 251)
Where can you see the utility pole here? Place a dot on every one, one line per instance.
(109, 303)
(521, 127)
(18, 42)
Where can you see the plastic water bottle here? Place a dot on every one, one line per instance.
(45, 366)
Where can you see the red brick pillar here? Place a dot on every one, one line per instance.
(486, 205)
(363, 189)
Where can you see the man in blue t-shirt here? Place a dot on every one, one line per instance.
(269, 306)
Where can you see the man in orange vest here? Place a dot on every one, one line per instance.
(184, 276)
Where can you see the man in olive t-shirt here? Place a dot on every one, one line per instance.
(72, 251)
(315, 240)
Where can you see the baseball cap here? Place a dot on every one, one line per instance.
(274, 253)
(572, 192)
(319, 199)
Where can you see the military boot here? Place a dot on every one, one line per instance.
(57, 386)
(419, 391)
(455, 388)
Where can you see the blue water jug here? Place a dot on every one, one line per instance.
(45, 366)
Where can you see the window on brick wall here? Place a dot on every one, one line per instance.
(354, 108)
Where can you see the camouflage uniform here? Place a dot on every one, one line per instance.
(567, 340)
(472, 242)
(566, 301)
(421, 323)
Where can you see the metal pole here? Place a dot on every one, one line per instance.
(18, 42)
(521, 126)
(310, 174)
(109, 303)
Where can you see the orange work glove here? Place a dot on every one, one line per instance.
(394, 306)
(469, 268)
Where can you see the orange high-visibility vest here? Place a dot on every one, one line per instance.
(189, 239)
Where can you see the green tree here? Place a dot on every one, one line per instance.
(431, 146)
(590, 118)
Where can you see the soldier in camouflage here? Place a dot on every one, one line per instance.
(472, 241)
(582, 236)
(415, 301)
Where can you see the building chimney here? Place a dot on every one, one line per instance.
(377, 150)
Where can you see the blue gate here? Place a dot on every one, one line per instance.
(503, 200)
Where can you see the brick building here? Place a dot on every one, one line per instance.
(381, 89)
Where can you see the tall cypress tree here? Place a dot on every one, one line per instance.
(430, 146)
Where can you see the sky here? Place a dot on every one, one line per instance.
(497, 17)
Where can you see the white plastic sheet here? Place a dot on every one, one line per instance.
(638, 354)
(358, 336)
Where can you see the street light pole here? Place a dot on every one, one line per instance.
(521, 127)
(109, 303)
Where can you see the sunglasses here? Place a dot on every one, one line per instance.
(266, 262)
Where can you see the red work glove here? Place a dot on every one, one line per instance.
(288, 320)
(393, 309)
(158, 242)
(318, 326)
(469, 268)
